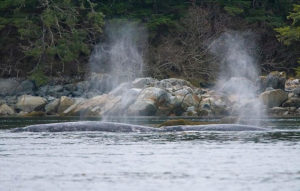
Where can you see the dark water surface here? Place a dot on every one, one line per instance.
(154, 161)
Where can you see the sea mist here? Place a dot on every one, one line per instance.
(237, 53)
(121, 55)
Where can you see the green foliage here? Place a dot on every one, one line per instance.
(233, 10)
(48, 31)
(39, 77)
(157, 15)
(63, 32)
(291, 34)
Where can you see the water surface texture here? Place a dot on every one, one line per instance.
(152, 161)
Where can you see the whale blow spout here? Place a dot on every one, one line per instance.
(122, 127)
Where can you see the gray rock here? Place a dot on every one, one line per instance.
(292, 84)
(42, 91)
(70, 87)
(82, 86)
(77, 94)
(296, 91)
(273, 98)
(278, 111)
(143, 108)
(25, 87)
(144, 82)
(51, 108)
(148, 101)
(292, 102)
(269, 89)
(276, 80)
(173, 83)
(53, 90)
(127, 99)
(11, 100)
(28, 103)
(8, 86)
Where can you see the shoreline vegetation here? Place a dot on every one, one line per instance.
(48, 65)
(44, 39)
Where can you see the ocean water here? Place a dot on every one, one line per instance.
(150, 161)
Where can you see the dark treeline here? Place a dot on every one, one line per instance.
(41, 38)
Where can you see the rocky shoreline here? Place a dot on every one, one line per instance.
(143, 97)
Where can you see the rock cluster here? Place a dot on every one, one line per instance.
(144, 97)
(280, 95)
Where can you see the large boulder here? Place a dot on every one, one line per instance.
(28, 103)
(89, 107)
(8, 86)
(25, 87)
(148, 102)
(273, 98)
(292, 102)
(64, 103)
(143, 108)
(6, 110)
(126, 99)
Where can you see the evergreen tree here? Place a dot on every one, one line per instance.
(49, 33)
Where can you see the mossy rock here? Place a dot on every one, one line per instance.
(35, 114)
(175, 122)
